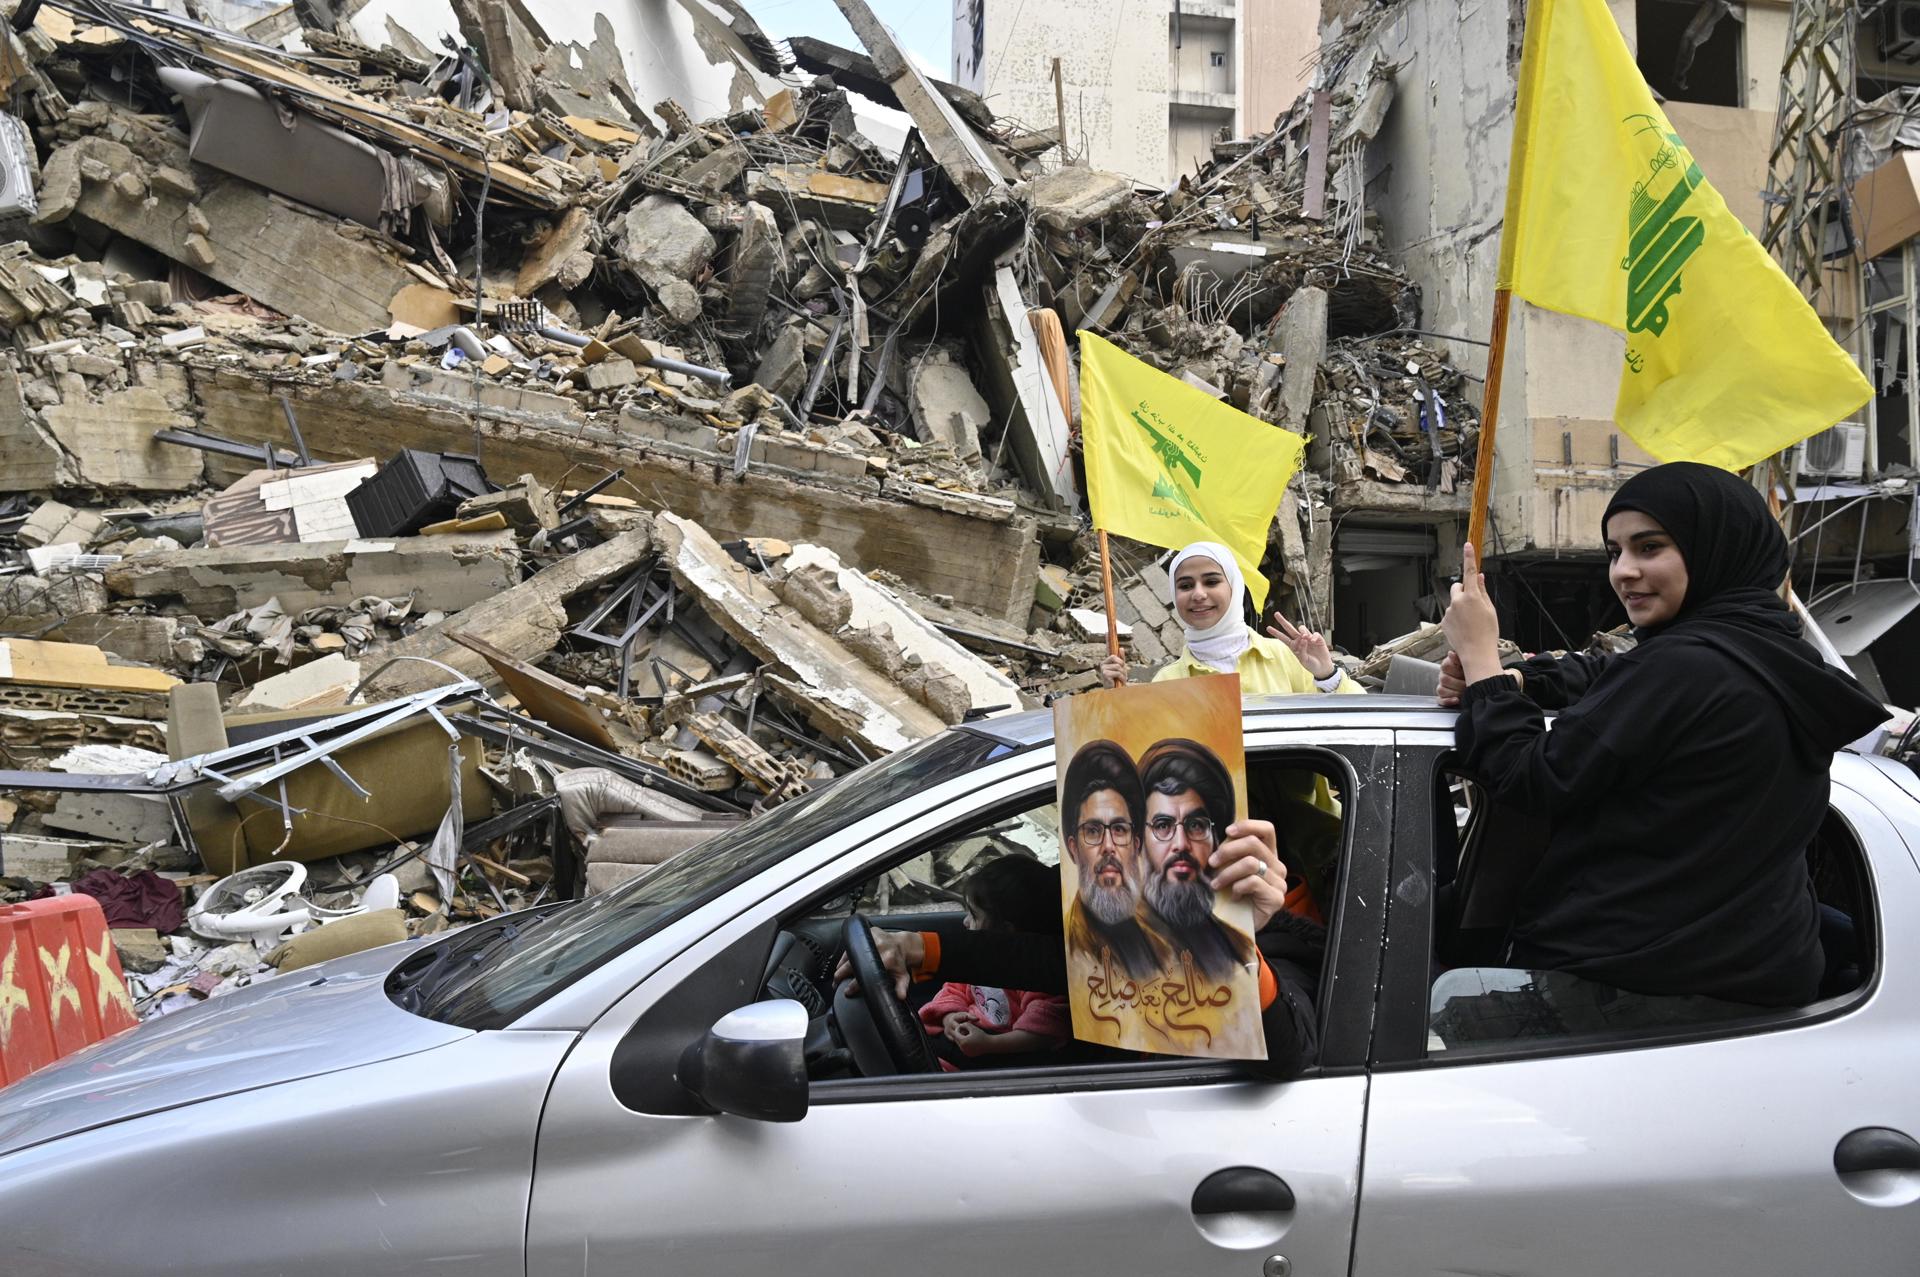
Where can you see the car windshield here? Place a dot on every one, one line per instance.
(548, 953)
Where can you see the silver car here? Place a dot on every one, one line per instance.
(663, 1079)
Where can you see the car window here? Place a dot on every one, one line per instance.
(1478, 1005)
(551, 951)
(926, 889)
(931, 881)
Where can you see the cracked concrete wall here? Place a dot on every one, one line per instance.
(1114, 66)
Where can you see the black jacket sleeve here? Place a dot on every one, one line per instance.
(1504, 743)
(1555, 682)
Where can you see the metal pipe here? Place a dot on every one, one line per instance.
(579, 341)
(596, 488)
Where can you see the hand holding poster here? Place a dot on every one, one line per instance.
(1157, 960)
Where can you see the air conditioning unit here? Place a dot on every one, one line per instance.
(19, 174)
(1839, 452)
(1900, 31)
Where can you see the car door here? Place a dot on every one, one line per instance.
(1098, 1171)
(1779, 1144)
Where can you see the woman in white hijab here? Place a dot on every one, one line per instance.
(1208, 597)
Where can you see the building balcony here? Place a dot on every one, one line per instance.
(1201, 98)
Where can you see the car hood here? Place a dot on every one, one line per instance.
(320, 1019)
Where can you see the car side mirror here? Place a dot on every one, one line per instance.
(752, 1062)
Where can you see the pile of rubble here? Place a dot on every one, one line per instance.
(441, 410)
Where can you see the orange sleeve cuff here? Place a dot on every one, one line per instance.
(1269, 987)
(930, 959)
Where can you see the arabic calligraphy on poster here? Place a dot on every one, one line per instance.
(1157, 960)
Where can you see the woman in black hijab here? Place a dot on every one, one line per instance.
(1682, 781)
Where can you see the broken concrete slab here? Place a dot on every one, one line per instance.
(31, 459)
(140, 949)
(947, 408)
(1302, 339)
(856, 73)
(758, 254)
(980, 550)
(1072, 197)
(135, 819)
(844, 696)
(524, 621)
(967, 161)
(147, 639)
(111, 440)
(260, 245)
(929, 657)
(439, 573)
(1021, 392)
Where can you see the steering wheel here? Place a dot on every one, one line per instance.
(901, 1038)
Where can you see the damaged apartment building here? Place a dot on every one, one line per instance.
(1434, 175)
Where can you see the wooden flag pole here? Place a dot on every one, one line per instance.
(1489, 422)
(1106, 590)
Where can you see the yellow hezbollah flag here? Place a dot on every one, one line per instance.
(1608, 218)
(1168, 464)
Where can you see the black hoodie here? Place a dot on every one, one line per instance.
(1684, 780)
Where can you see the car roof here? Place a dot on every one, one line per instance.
(1035, 727)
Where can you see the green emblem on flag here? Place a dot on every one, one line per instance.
(1659, 240)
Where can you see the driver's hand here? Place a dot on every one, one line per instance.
(1251, 847)
(901, 953)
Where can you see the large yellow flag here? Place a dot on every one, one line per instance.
(1168, 464)
(1608, 218)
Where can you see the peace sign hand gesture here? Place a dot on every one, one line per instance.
(1309, 646)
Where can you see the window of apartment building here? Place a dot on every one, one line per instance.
(1692, 50)
(1891, 316)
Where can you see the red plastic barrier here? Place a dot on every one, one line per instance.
(60, 983)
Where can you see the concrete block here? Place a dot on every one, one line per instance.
(441, 573)
(137, 819)
(41, 859)
(1069, 198)
(1148, 606)
(612, 373)
(141, 949)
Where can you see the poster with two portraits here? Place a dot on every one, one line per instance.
(1149, 778)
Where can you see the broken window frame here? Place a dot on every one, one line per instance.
(1903, 303)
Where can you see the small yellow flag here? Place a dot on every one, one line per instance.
(1169, 464)
(1609, 219)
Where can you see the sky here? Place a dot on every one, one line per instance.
(925, 27)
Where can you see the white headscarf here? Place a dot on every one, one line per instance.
(1220, 644)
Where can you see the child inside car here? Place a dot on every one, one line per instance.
(980, 1026)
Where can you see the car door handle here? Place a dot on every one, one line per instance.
(1240, 1190)
(1876, 1148)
